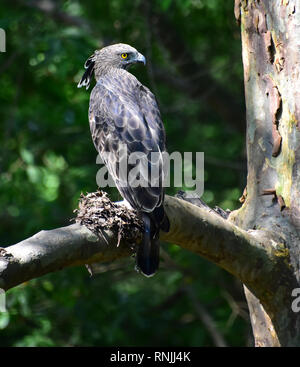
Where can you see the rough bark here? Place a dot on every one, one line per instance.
(270, 41)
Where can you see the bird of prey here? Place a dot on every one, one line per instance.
(123, 112)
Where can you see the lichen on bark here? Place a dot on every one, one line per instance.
(270, 41)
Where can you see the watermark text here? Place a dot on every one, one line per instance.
(2, 40)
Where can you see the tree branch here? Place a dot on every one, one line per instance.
(53, 250)
(251, 257)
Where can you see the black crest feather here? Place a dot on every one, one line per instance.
(87, 76)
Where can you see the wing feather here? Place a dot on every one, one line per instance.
(123, 111)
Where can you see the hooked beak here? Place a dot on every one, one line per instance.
(141, 59)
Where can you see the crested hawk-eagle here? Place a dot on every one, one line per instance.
(124, 113)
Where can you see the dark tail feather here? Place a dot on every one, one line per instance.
(147, 257)
(159, 217)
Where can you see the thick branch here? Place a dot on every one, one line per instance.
(249, 257)
(53, 250)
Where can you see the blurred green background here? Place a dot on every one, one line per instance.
(47, 159)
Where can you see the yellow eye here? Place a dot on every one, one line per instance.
(124, 56)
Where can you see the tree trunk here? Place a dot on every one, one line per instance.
(270, 42)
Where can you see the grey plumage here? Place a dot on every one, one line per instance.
(123, 111)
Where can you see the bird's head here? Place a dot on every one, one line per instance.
(118, 56)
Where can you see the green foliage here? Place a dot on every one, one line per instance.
(47, 159)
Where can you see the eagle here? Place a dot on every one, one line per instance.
(124, 113)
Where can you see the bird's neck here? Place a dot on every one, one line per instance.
(102, 71)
